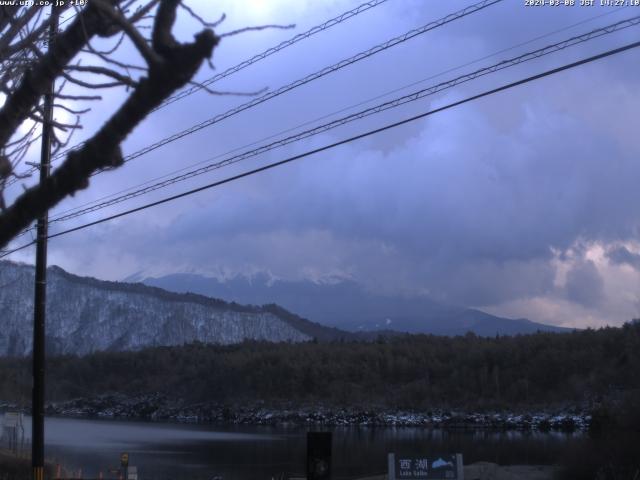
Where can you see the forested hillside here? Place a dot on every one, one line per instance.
(406, 372)
(86, 315)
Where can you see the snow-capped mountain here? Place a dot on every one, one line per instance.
(345, 304)
(85, 315)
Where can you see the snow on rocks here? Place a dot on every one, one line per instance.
(158, 407)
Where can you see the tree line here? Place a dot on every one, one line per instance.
(412, 371)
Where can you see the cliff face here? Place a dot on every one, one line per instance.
(85, 315)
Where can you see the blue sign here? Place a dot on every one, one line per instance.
(427, 467)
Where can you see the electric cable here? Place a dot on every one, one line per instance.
(305, 80)
(330, 146)
(244, 64)
(414, 96)
(350, 107)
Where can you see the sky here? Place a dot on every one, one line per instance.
(522, 203)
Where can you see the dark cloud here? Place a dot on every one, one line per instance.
(470, 205)
(622, 256)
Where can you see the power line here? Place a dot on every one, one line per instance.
(27, 60)
(270, 51)
(309, 78)
(94, 206)
(316, 75)
(246, 63)
(309, 122)
(414, 96)
(270, 166)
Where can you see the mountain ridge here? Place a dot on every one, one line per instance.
(85, 314)
(349, 306)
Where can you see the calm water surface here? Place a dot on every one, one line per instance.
(176, 451)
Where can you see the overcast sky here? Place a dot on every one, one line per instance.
(524, 203)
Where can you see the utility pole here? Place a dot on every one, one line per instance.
(39, 311)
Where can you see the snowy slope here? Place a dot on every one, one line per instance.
(85, 315)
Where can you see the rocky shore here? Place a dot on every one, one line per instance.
(159, 407)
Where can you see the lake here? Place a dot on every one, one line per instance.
(170, 451)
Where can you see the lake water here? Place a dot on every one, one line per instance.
(176, 451)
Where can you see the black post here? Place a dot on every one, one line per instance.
(318, 455)
(39, 311)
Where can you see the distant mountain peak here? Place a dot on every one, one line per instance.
(341, 302)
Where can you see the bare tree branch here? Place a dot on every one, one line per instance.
(176, 66)
(202, 20)
(29, 65)
(91, 85)
(15, 28)
(32, 86)
(62, 96)
(224, 93)
(142, 12)
(129, 29)
(122, 79)
(255, 29)
(63, 144)
(71, 110)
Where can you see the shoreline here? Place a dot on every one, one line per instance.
(159, 408)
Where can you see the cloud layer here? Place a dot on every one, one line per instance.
(523, 203)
